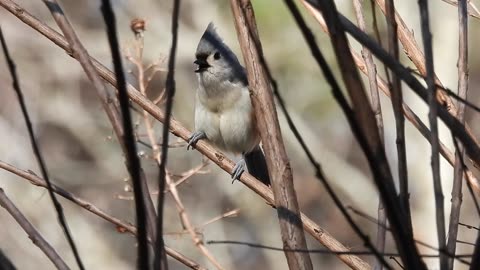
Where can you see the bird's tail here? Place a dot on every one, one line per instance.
(257, 165)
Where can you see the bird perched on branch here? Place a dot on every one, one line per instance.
(223, 109)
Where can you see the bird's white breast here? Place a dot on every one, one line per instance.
(224, 112)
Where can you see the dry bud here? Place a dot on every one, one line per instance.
(138, 26)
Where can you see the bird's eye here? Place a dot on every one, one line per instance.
(216, 56)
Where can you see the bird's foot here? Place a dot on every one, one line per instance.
(238, 170)
(196, 136)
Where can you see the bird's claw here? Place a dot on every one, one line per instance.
(238, 170)
(196, 136)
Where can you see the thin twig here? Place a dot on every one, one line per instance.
(75, 48)
(186, 175)
(232, 213)
(157, 153)
(362, 123)
(475, 262)
(160, 259)
(459, 130)
(409, 114)
(320, 234)
(319, 172)
(133, 161)
(32, 233)
(465, 243)
(397, 100)
(197, 229)
(415, 54)
(92, 208)
(397, 262)
(320, 251)
(317, 167)
(381, 212)
(462, 92)
(268, 126)
(187, 224)
(472, 9)
(450, 93)
(468, 226)
(377, 110)
(419, 242)
(432, 117)
(464, 168)
(38, 155)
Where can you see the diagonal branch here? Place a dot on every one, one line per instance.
(157, 154)
(377, 110)
(160, 259)
(267, 122)
(472, 9)
(413, 51)
(142, 197)
(409, 114)
(38, 155)
(90, 207)
(320, 234)
(458, 129)
(319, 172)
(432, 117)
(362, 123)
(33, 234)
(129, 139)
(462, 92)
(397, 100)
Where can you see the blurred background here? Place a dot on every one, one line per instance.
(76, 137)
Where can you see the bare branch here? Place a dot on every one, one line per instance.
(320, 234)
(267, 122)
(90, 207)
(397, 101)
(160, 260)
(472, 9)
(32, 233)
(462, 92)
(133, 160)
(409, 114)
(377, 110)
(432, 117)
(362, 123)
(38, 155)
(158, 153)
(76, 49)
(413, 51)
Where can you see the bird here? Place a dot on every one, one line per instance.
(224, 115)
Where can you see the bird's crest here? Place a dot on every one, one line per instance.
(211, 42)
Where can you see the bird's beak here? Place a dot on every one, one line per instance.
(202, 65)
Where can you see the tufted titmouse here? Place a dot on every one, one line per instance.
(223, 110)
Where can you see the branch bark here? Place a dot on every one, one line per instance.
(462, 92)
(92, 208)
(377, 110)
(415, 54)
(76, 49)
(432, 117)
(363, 125)
(320, 234)
(409, 114)
(267, 122)
(32, 233)
(397, 100)
(38, 154)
